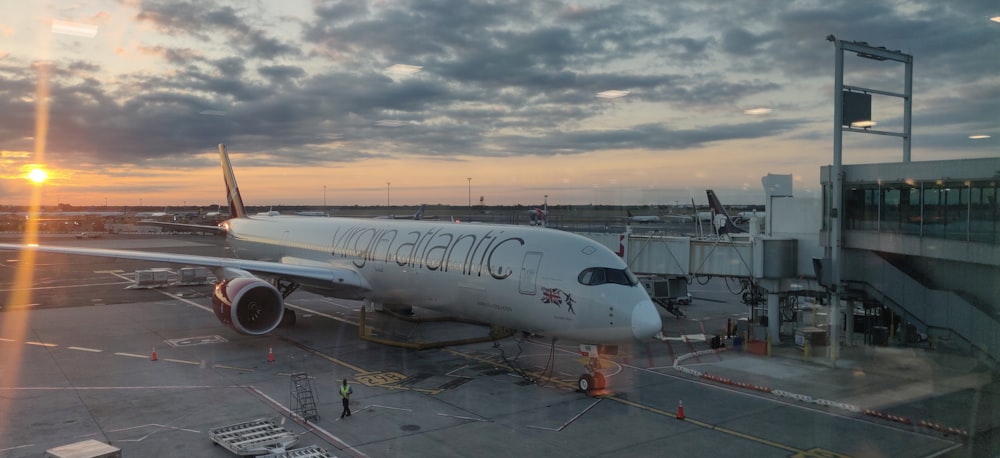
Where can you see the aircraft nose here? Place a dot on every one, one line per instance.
(645, 321)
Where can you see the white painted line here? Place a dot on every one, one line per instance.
(324, 315)
(464, 418)
(131, 355)
(220, 366)
(330, 438)
(387, 407)
(570, 421)
(42, 344)
(7, 340)
(182, 361)
(92, 350)
(15, 448)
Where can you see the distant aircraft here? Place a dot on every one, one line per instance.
(538, 216)
(743, 217)
(552, 283)
(216, 214)
(162, 214)
(642, 219)
(419, 215)
(721, 221)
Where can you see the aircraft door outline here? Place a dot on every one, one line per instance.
(529, 272)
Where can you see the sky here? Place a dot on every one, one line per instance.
(458, 101)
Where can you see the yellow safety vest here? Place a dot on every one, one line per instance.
(345, 391)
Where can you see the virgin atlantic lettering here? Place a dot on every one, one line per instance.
(435, 249)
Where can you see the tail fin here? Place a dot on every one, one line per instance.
(420, 212)
(628, 212)
(727, 226)
(233, 198)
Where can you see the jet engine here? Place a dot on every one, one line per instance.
(248, 305)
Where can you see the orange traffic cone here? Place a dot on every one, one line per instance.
(270, 355)
(680, 410)
(152, 357)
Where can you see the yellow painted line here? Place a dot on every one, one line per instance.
(42, 344)
(196, 363)
(337, 361)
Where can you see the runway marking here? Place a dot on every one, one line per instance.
(92, 350)
(132, 355)
(466, 418)
(221, 366)
(42, 344)
(316, 429)
(42, 288)
(571, 420)
(380, 378)
(7, 340)
(324, 315)
(195, 363)
(819, 453)
(15, 448)
(656, 410)
(157, 426)
(705, 425)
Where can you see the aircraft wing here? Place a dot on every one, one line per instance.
(184, 227)
(345, 280)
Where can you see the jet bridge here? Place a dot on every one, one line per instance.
(669, 256)
(766, 265)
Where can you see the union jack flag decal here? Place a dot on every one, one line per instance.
(556, 297)
(552, 296)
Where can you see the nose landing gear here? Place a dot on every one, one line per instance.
(594, 380)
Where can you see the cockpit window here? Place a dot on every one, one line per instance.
(601, 275)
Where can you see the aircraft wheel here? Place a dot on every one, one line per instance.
(288, 319)
(600, 382)
(585, 383)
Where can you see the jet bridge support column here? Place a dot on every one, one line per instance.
(773, 315)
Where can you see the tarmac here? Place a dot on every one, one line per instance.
(913, 388)
(86, 373)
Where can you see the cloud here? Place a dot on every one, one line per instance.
(502, 79)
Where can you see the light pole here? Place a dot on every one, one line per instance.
(324, 199)
(470, 195)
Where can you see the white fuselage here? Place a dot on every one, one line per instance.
(519, 277)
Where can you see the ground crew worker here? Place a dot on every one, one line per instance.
(345, 397)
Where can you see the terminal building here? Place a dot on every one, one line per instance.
(903, 253)
(919, 265)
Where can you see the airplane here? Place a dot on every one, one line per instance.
(551, 283)
(642, 219)
(161, 214)
(419, 215)
(721, 221)
(743, 217)
(539, 215)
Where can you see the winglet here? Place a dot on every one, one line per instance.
(728, 226)
(233, 198)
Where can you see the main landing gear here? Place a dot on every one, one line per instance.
(286, 287)
(594, 379)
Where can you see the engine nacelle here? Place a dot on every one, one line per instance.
(248, 305)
